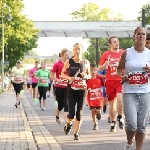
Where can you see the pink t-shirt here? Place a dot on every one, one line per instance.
(57, 68)
(33, 71)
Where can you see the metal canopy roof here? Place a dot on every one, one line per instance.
(90, 29)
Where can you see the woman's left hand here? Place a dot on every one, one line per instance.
(83, 74)
(147, 69)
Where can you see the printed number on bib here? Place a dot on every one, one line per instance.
(63, 82)
(78, 84)
(113, 70)
(138, 79)
(95, 94)
(43, 81)
(18, 79)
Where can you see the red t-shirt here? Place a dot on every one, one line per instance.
(57, 68)
(94, 88)
(113, 59)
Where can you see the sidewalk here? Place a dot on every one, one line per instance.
(29, 128)
(101, 139)
(15, 132)
(21, 128)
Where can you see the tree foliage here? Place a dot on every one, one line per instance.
(92, 12)
(147, 14)
(20, 34)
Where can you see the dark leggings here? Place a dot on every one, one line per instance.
(61, 97)
(17, 87)
(49, 87)
(42, 92)
(75, 97)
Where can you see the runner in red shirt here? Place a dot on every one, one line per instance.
(60, 85)
(110, 60)
(95, 96)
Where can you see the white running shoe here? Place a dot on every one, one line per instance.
(128, 147)
(43, 109)
(58, 121)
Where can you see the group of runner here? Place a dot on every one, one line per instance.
(76, 81)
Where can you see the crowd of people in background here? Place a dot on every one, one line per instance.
(119, 79)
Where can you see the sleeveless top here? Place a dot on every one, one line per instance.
(72, 70)
(138, 79)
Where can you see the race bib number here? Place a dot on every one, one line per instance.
(63, 82)
(78, 84)
(18, 79)
(43, 81)
(113, 70)
(138, 79)
(95, 94)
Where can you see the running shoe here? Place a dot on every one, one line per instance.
(36, 101)
(113, 126)
(16, 105)
(55, 103)
(95, 127)
(67, 128)
(109, 120)
(43, 109)
(76, 137)
(22, 91)
(58, 121)
(121, 123)
(128, 147)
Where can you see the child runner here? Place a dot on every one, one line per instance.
(94, 96)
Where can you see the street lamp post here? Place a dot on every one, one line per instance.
(3, 60)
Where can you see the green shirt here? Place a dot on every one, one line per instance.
(43, 76)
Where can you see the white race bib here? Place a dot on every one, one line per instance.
(18, 79)
(43, 81)
(78, 84)
(95, 94)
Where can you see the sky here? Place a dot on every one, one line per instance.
(60, 10)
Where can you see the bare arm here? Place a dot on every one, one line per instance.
(63, 72)
(88, 73)
(31, 74)
(102, 67)
(53, 77)
(12, 74)
(121, 65)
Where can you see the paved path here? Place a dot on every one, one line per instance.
(90, 140)
(15, 132)
(29, 128)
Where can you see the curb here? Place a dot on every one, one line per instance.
(43, 138)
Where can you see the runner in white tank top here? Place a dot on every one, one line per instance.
(135, 64)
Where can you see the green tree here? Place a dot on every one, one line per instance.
(92, 12)
(30, 60)
(147, 14)
(20, 33)
(126, 43)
